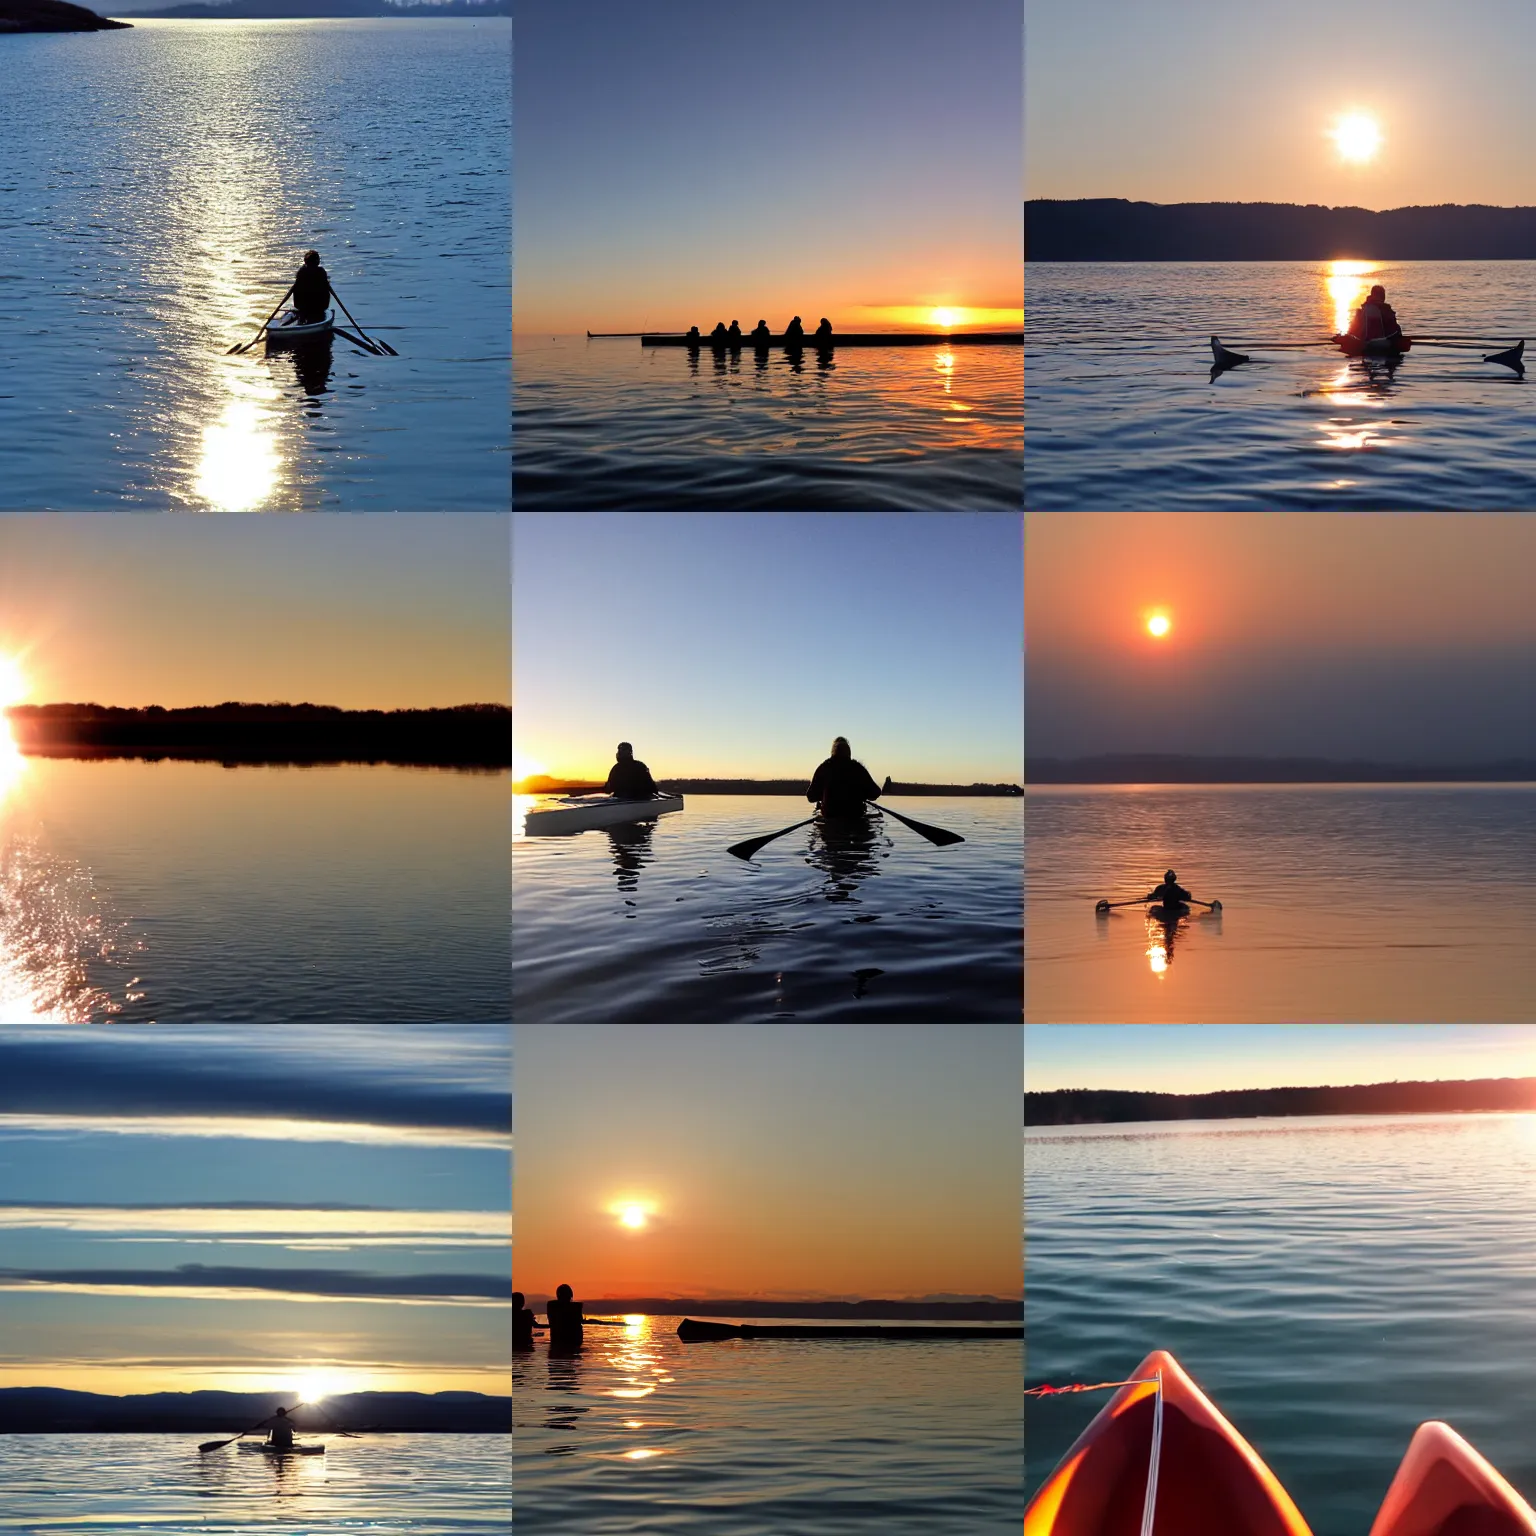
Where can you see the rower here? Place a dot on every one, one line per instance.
(761, 333)
(842, 784)
(311, 289)
(281, 1430)
(1375, 320)
(693, 338)
(522, 1323)
(629, 778)
(824, 330)
(734, 334)
(564, 1321)
(718, 334)
(794, 331)
(1170, 892)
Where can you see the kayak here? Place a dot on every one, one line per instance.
(290, 332)
(1210, 1481)
(692, 1332)
(1443, 1486)
(296, 1449)
(1169, 912)
(1377, 346)
(578, 813)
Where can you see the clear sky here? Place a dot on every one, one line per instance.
(1206, 1058)
(1207, 100)
(785, 1162)
(1397, 637)
(360, 612)
(684, 161)
(319, 1208)
(739, 644)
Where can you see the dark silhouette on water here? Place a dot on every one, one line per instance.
(841, 785)
(311, 289)
(629, 778)
(522, 1323)
(565, 1320)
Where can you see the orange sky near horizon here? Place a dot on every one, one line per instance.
(778, 1162)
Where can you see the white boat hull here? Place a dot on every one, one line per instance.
(577, 814)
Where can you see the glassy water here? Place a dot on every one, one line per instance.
(1341, 903)
(655, 922)
(389, 1485)
(1330, 1283)
(609, 424)
(1124, 416)
(157, 191)
(644, 1433)
(190, 892)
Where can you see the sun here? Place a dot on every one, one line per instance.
(944, 318)
(524, 767)
(316, 1386)
(633, 1214)
(1158, 625)
(1357, 137)
(13, 682)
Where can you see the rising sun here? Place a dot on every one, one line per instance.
(1158, 625)
(1357, 137)
(13, 685)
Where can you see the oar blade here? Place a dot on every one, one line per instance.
(1512, 357)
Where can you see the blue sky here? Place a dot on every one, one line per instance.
(186, 1208)
(1205, 1058)
(726, 645)
(684, 159)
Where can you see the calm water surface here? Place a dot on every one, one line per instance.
(1341, 903)
(643, 1434)
(609, 424)
(1123, 414)
(192, 892)
(157, 190)
(655, 922)
(388, 1485)
(1329, 1283)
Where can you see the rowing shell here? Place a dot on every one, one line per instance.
(843, 339)
(291, 332)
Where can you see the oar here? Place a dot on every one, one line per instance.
(246, 348)
(353, 318)
(747, 849)
(359, 341)
(218, 1445)
(935, 835)
(1109, 906)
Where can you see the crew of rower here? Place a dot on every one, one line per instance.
(1375, 320)
(730, 336)
(564, 1324)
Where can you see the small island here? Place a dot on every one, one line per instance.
(52, 16)
(467, 736)
(324, 10)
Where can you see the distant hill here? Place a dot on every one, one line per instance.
(1113, 229)
(1113, 1106)
(320, 10)
(1170, 768)
(51, 16)
(55, 1410)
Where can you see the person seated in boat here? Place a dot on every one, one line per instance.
(794, 331)
(564, 1321)
(842, 784)
(693, 338)
(761, 333)
(824, 330)
(1170, 893)
(734, 334)
(629, 778)
(311, 289)
(718, 334)
(1375, 320)
(522, 1323)
(279, 1428)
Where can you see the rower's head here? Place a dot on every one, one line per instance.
(625, 752)
(517, 1300)
(311, 258)
(282, 1413)
(1378, 293)
(840, 747)
(1170, 877)
(563, 1293)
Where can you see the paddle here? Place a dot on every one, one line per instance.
(935, 835)
(1109, 906)
(747, 849)
(358, 341)
(251, 343)
(384, 345)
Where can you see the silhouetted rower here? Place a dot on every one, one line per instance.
(841, 785)
(311, 289)
(629, 778)
(564, 1320)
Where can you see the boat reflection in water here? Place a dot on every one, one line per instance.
(312, 365)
